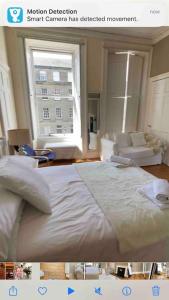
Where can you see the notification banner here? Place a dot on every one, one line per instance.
(83, 14)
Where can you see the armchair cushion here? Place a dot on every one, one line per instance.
(27, 150)
(136, 152)
(138, 139)
(51, 155)
(123, 140)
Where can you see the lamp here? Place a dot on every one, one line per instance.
(18, 137)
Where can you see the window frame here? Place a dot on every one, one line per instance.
(46, 111)
(58, 116)
(71, 113)
(71, 97)
(55, 91)
(44, 76)
(44, 94)
(59, 127)
(77, 48)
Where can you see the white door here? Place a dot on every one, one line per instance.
(123, 91)
(134, 91)
(116, 85)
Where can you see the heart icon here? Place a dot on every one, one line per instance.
(42, 290)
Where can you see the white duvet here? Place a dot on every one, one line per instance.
(136, 220)
(77, 230)
(11, 206)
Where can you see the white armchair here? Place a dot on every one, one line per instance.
(133, 146)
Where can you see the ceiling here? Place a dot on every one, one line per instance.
(150, 33)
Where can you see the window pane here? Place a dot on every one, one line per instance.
(55, 70)
(42, 75)
(58, 113)
(46, 114)
(59, 129)
(57, 91)
(44, 91)
(71, 112)
(56, 76)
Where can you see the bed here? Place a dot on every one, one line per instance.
(91, 273)
(78, 228)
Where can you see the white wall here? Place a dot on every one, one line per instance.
(3, 61)
(157, 121)
(6, 90)
(157, 109)
(18, 71)
(3, 53)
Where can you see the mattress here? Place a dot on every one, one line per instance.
(77, 230)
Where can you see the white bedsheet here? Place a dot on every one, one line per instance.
(77, 230)
(137, 221)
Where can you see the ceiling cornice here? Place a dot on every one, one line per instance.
(160, 37)
(85, 32)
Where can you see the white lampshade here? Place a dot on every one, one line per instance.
(18, 137)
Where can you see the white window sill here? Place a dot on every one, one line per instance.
(60, 145)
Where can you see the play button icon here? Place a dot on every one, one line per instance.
(70, 291)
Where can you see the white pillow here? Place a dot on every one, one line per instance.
(123, 140)
(23, 160)
(11, 206)
(27, 183)
(138, 139)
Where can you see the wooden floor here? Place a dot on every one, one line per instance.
(62, 162)
(160, 277)
(160, 171)
(144, 277)
(134, 277)
(137, 277)
(53, 271)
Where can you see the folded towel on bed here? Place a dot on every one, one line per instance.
(157, 191)
(122, 160)
(161, 189)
